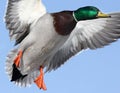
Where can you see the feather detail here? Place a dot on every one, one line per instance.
(20, 15)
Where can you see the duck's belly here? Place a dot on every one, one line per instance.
(41, 52)
(45, 43)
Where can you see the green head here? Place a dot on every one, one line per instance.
(88, 12)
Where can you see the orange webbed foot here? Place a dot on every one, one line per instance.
(40, 80)
(17, 59)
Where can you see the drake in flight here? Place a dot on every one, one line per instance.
(47, 40)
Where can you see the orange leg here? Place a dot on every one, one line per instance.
(40, 80)
(17, 59)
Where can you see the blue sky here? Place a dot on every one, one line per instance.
(92, 71)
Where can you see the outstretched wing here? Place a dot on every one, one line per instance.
(90, 34)
(20, 15)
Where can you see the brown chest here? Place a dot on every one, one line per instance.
(64, 22)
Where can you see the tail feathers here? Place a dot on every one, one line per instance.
(9, 62)
(15, 74)
(28, 79)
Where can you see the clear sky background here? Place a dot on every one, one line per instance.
(92, 71)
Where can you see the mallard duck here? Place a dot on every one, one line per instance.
(47, 40)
